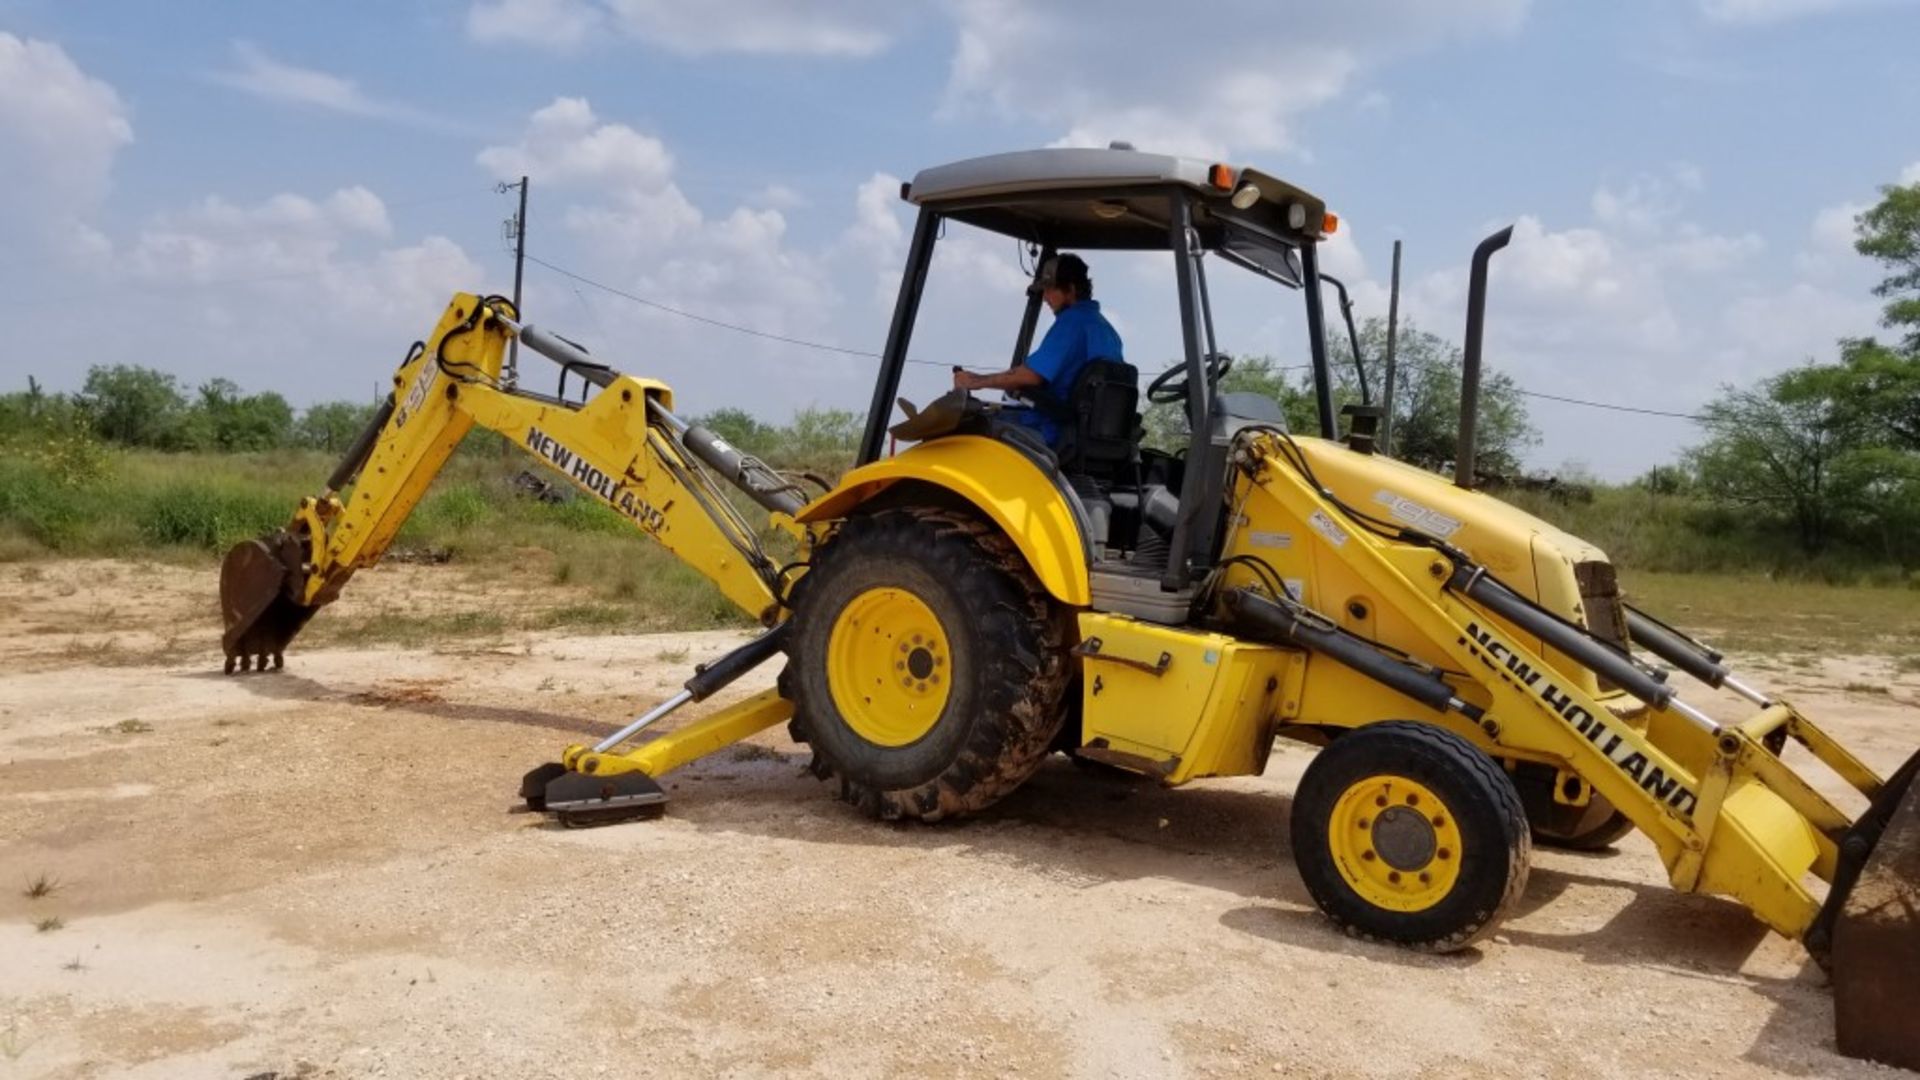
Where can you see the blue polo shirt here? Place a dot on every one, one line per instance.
(1079, 333)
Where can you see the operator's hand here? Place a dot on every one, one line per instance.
(966, 380)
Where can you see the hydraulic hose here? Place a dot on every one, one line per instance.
(356, 454)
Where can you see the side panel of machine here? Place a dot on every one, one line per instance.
(1006, 486)
(1181, 704)
(1530, 555)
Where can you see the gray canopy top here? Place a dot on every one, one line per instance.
(1114, 198)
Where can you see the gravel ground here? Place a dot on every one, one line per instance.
(314, 874)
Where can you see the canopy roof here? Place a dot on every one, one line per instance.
(1111, 198)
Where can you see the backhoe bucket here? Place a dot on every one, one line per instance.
(257, 601)
(1874, 915)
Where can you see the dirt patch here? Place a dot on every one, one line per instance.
(314, 874)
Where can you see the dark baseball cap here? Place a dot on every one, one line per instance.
(1062, 270)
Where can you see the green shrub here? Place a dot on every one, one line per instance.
(210, 516)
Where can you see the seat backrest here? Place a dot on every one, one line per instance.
(1101, 426)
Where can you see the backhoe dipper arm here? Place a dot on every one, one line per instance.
(624, 447)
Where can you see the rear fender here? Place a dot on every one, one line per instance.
(1030, 503)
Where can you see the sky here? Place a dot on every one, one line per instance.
(288, 195)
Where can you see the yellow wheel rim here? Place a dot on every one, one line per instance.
(890, 666)
(1395, 843)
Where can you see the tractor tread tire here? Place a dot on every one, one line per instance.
(1483, 799)
(1018, 635)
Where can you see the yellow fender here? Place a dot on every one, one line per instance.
(1002, 482)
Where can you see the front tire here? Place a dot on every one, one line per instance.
(928, 665)
(1407, 833)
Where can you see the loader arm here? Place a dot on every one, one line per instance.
(1725, 813)
(624, 447)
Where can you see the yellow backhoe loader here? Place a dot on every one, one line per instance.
(963, 607)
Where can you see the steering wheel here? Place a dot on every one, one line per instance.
(1170, 387)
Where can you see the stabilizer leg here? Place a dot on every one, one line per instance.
(595, 786)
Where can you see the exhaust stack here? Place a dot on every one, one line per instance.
(1463, 457)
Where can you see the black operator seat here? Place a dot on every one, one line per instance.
(1100, 428)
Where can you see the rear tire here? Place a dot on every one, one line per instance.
(950, 661)
(1601, 837)
(1406, 833)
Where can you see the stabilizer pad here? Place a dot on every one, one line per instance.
(578, 799)
(533, 786)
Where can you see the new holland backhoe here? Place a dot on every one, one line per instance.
(961, 608)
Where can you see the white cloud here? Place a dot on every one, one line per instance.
(627, 175)
(1694, 249)
(780, 197)
(630, 227)
(60, 130)
(1777, 328)
(264, 77)
(307, 295)
(1640, 306)
(286, 235)
(876, 229)
(1096, 78)
(1755, 12)
(1648, 203)
(1832, 232)
(845, 28)
(550, 24)
(566, 144)
(1910, 174)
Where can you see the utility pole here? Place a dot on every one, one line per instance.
(1393, 329)
(516, 230)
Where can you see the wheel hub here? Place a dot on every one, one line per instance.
(1395, 843)
(890, 666)
(920, 663)
(1404, 838)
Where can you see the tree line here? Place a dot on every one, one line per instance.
(140, 408)
(1831, 451)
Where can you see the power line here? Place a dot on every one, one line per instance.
(750, 331)
(1695, 417)
(823, 346)
(736, 328)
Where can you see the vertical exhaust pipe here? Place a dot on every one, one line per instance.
(1463, 458)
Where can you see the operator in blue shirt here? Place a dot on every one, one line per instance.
(1079, 333)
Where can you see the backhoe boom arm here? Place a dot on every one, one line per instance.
(624, 447)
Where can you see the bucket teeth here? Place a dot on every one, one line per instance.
(258, 583)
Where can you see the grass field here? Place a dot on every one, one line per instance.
(1757, 615)
(188, 508)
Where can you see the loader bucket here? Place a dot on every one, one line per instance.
(257, 600)
(1874, 919)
